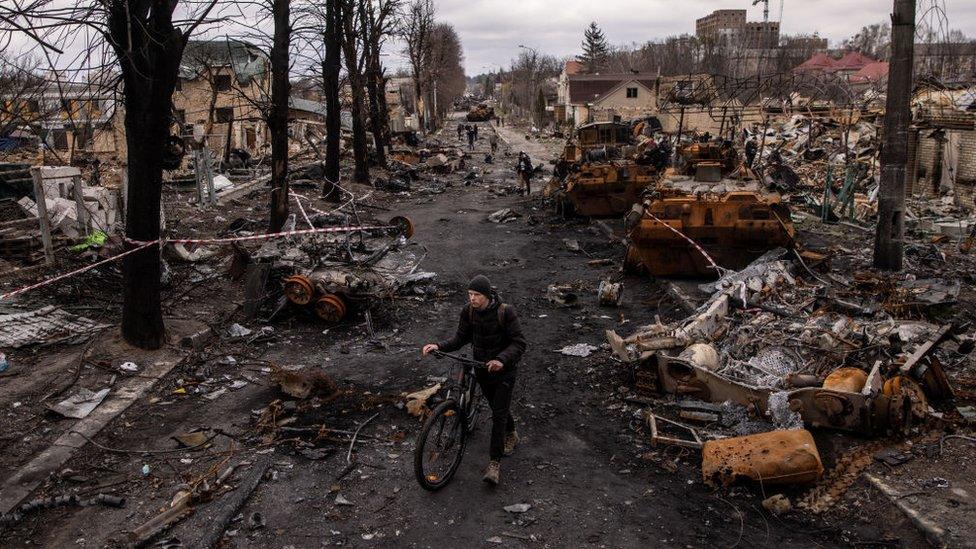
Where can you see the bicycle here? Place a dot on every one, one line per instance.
(444, 435)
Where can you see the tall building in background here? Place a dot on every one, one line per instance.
(730, 27)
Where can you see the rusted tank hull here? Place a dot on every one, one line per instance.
(606, 190)
(733, 229)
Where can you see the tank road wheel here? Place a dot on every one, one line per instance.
(632, 262)
(402, 225)
(331, 308)
(299, 289)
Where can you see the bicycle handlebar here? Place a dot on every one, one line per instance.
(459, 358)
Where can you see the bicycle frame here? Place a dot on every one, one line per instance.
(464, 382)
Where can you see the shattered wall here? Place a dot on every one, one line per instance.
(966, 172)
(958, 165)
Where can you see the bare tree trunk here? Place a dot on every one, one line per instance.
(384, 108)
(371, 56)
(888, 252)
(361, 170)
(149, 49)
(278, 117)
(333, 109)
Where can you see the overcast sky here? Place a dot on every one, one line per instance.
(491, 31)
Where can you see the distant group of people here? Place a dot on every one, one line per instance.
(523, 166)
(471, 130)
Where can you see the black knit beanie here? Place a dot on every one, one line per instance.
(481, 285)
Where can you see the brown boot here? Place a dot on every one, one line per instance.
(511, 440)
(492, 472)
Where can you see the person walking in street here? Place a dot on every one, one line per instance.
(472, 133)
(460, 131)
(475, 132)
(524, 170)
(751, 149)
(493, 330)
(493, 142)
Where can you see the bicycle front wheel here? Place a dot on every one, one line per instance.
(440, 445)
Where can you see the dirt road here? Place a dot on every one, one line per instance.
(584, 464)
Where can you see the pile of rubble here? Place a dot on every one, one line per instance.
(71, 211)
(778, 346)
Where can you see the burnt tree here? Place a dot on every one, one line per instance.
(890, 233)
(278, 115)
(331, 65)
(353, 69)
(370, 63)
(149, 49)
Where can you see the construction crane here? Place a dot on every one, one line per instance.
(765, 4)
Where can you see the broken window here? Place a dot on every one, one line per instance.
(59, 139)
(631, 93)
(225, 115)
(222, 82)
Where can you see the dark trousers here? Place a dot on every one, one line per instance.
(498, 392)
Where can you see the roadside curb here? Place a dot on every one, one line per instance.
(28, 477)
(935, 534)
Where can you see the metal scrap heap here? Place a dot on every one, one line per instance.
(793, 348)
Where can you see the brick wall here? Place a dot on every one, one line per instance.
(924, 165)
(966, 170)
(911, 167)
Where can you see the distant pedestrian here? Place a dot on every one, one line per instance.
(475, 132)
(751, 148)
(493, 142)
(471, 136)
(460, 131)
(524, 170)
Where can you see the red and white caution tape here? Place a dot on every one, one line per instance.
(143, 244)
(70, 274)
(268, 236)
(701, 250)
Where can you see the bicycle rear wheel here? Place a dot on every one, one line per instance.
(440, 446)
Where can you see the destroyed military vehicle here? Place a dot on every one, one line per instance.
(710, 208)
(333, 274)
(605, 168)
(481, 113)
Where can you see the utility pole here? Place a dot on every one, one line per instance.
(888, 252)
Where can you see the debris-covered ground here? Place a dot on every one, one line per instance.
(264, 424)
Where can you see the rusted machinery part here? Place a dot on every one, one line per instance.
(403, 225)
(299, 289)
(847, 379)
(847, 469)
(826, 408)
(331, 308)
(776, 457)
(909, 388)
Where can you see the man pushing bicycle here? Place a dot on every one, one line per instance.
(492, 328)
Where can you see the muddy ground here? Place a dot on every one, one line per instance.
(584, 465)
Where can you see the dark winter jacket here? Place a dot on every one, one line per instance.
(493, 335)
